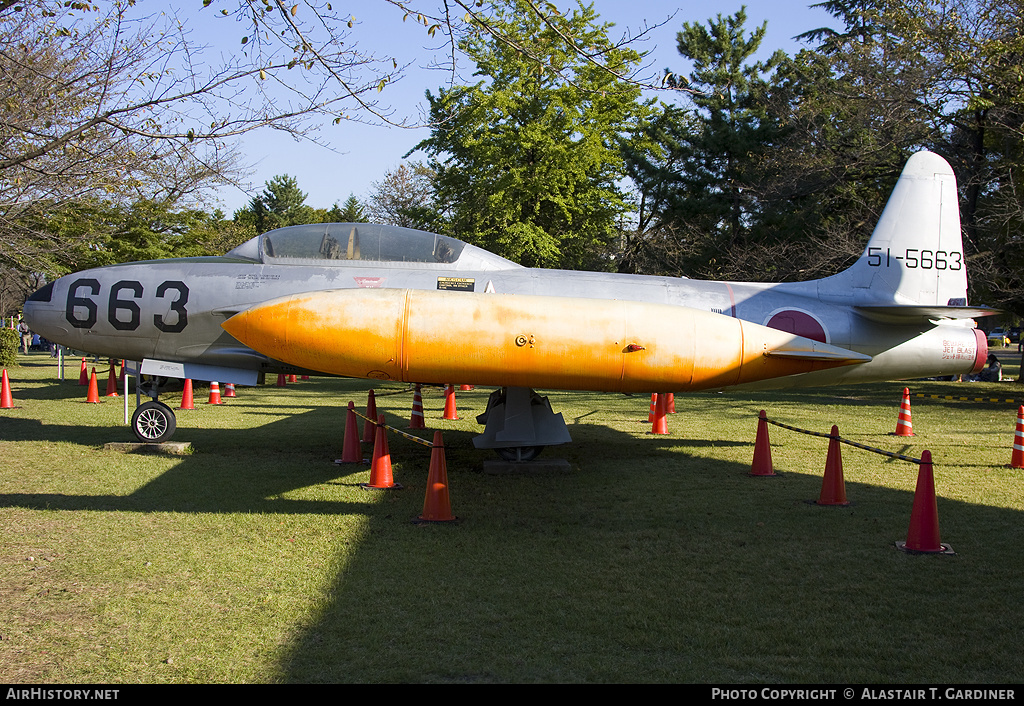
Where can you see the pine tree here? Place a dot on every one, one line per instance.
(350, 212)
(281, 203)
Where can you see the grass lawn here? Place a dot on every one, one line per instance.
(651, 559)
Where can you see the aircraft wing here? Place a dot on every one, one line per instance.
(923, 313)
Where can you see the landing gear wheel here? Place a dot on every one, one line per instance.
(153, 422)
(519, 454)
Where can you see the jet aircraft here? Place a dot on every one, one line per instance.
(388, 303)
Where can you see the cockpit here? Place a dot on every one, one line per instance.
(352, 243)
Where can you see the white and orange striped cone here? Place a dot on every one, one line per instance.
(660, 423)
(904, 427)
(229, 389)
(416, 420)
(214, 394)
(654, 403)
(1017, 458)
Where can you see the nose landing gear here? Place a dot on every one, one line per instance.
(153, 422)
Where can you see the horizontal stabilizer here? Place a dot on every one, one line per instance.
(922, 313)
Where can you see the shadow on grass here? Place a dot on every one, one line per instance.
(680, 570)
(647, 561)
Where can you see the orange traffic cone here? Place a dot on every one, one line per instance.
(229, 389)
(833, 487)
(1017, 459)
(660, 423)
(370, 426)
(293, 378)
(903, 425)
(450, 412)
(351, 452)
(112, 381)
(671, 408)
(654, 403)
(281, 381)
(923, 534)
(465, 388)
(92, 396)
(120, 377)
(214, 394)
(6, 399)
(83, 376)
(436, 503)
(762, 464)
(186, 396)
(380, 465)
(416, 421)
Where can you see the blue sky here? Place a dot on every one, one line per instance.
(361, 154)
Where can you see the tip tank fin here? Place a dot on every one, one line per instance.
(805, 349)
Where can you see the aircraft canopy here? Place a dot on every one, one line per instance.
(322, 243)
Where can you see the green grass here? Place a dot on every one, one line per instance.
(653, 559)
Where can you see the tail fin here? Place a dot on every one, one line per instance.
(913, 264)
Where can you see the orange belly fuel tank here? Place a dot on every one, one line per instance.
(443, 337)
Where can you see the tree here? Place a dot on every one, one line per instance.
(527, 159)
(352, 211)
(699, 176)
(99, 233)
(100, 101)
(975, 49)
(280, 204)
(733, 123)
(898, 77)
(404, 197)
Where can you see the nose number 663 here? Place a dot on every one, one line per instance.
(123, 310)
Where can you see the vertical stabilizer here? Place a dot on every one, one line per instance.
(915, 255)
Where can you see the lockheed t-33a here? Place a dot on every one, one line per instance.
(388, 303)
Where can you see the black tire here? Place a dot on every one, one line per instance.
(153, 422)
(519, 454)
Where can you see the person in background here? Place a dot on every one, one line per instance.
(993, 371)
(26, 336)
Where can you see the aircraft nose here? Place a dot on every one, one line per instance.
(36, 302)
(42, 316)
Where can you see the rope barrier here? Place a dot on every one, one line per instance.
(846, 441)
(410, 437)
(966, 399)
(393, 392)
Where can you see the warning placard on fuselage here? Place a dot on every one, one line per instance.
(457, 284)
